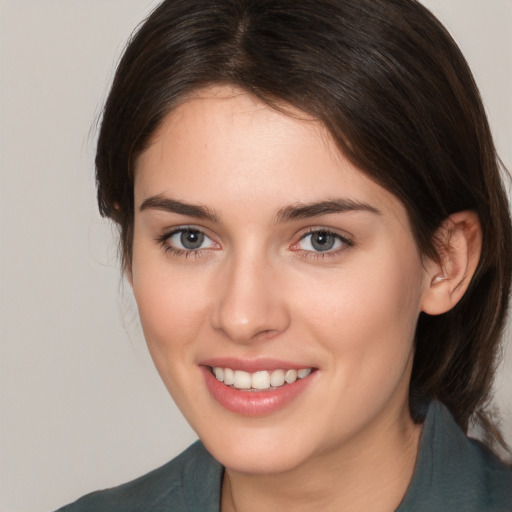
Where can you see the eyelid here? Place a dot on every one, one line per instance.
(164, 238)
(343, 235)
(344, 238)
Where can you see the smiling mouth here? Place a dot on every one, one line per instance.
(258, 381)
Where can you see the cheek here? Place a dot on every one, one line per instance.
(172, 312)
(366, 317)
(172, 307)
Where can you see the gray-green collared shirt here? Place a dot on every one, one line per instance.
(452, 474)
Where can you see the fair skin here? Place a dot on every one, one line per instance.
(230, 268)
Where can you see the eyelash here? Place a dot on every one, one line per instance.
(163, 240)
(346, 243)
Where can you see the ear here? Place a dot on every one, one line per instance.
(459, 243)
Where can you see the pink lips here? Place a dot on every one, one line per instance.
(253, 403)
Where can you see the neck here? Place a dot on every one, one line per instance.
(371, 472)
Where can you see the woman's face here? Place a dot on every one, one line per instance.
(258, 248)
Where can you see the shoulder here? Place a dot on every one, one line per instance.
(189, 482)
(488, 478)
(454, 472)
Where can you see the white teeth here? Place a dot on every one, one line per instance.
(259, 380)
(242, 380)
(219, 373)
(303, 373)
(277, 378)
(229, 376)
(290, 376)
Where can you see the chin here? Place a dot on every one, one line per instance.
(259, 451)
(259, 461)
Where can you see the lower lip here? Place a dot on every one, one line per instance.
(254, 403)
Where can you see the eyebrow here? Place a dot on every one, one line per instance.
(293, 212)
(167, 204)
(306, 210)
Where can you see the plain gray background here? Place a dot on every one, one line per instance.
(81, 406)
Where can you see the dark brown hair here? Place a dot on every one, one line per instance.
(398, 97)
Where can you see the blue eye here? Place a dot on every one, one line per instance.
(188, 239)
(322, 241)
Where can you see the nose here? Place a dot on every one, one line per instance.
(250, 303)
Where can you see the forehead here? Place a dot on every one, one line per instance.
(224, 143)
(232, 126)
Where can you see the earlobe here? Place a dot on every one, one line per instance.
(459, 241)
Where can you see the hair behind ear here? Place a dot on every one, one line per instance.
(458, 334)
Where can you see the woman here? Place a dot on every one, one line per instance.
(318, 240)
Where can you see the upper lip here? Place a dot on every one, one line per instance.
(252, 365)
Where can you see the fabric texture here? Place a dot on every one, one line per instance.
(453, 473)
